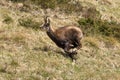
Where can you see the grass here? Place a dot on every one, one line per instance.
(94, 26)
(28, 54)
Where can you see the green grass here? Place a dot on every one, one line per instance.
(27, 53)
(29, 22)
(94, 26)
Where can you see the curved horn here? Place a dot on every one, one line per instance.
(48, 20)
(45, 19)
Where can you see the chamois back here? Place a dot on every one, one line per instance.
(68, 32)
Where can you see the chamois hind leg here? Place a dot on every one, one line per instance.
(70, 53)
(78, 43)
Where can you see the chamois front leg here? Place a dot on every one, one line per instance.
(67, 48)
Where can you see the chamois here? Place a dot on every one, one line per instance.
(67, 37)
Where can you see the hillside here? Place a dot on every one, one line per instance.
(27, 53)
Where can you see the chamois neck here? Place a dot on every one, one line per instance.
(51, 30)
(51, 34)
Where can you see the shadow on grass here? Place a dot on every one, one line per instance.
(51, 49)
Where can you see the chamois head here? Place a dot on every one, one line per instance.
(46, 25)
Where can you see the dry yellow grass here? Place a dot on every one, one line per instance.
(28, 54)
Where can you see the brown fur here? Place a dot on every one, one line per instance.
(67, 37)
(69, 34)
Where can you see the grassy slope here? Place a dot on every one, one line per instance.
(108, 8)
(28, 54)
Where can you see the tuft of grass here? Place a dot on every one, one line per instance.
(7, 19)
(46, 4)
(14, 63)
(92, 42)
(29, 23)
(66, 6)
(2, 70)
(69, 7)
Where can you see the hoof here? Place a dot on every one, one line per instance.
(73, 57)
